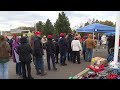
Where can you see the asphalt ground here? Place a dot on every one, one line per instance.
(63, 72)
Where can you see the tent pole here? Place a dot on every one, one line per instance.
(98, 36)
(117, 38)
(93, 35)
(93, 50)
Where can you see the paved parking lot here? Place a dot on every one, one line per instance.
(63, 72)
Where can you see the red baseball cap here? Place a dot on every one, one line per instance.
(37, 33)
(62, 34)
(14, 35)
(49, 36)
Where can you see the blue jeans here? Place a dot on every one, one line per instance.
(18, 68)
(4, 70)
(62, 57)
(89, 53)
(39, 64)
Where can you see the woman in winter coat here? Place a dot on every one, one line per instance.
(44, 40)
(15, 46)
(76, 48)
(25, 51)
(4, 57)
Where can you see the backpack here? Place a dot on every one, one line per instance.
(110, 57)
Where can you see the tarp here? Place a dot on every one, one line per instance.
(110, 33)
(96, 27)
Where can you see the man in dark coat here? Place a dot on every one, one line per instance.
(50, 50)
(63, 49)
(38, 53)
(56, 45)
(25, 51)
(70, 53)
(111, 42)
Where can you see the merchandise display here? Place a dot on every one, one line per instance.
(100, 69)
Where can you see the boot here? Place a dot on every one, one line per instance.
(64, 64)
(79, 62)
(38, 73)
(30, 78)
(43, 74)
(49, 68)
(57, 62)
(55, 68)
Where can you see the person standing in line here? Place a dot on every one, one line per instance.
(70, 53)
(63, 49)
(44, 40)
(50, 51)
(76, 48)
(24, 52)
(90, 45)
(56, 50)
(111, 43)
(15, 46)
(4, 57)
(84, 48)
(11, 42)
(38, 53)
(31, 42)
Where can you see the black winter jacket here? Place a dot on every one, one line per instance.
(24, 51)
(50, 48)
(56, 47)
(38, 48)
(63, 45)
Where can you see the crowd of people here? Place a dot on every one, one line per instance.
(25, 50)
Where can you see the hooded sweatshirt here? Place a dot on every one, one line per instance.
(89, 42)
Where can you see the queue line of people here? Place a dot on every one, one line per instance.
(24, 50)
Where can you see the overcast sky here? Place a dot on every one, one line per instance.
(14, 19)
